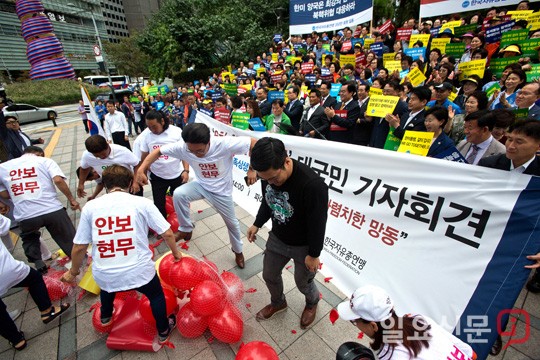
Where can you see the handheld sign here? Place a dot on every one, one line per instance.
(381, 105)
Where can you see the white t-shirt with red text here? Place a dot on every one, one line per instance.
(119, 155)
(12, 271)
(29, 182)
(116, 225)
(166, 167)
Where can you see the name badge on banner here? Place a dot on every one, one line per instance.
(335, 127)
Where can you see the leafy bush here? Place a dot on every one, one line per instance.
(48, 92)
(197, 74)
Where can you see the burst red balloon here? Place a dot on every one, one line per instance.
(169, 206)
(55, 287)
(96, 316)
(256, 350)
(189, 323)
(186, 273)
(173, 221)
(207, 298)
(234, 287)
(123, 295)
(227, 326)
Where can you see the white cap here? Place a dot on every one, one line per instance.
(369, 303)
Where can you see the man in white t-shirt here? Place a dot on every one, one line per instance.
(116, 126)
(166, 173)
(116, 225)
(29, 182)
(99, 155)
(212, 161)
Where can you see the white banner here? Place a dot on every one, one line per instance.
(429, 231)
(429, 8)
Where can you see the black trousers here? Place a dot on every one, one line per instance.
(159, 190)
(36, 286)
(59, 226)
(119, 139)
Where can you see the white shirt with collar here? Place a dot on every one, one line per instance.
(481, 151)
(311, 110)
(521, 169)
(115, 122)
(411, 116)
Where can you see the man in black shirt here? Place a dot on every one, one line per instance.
(296, 199)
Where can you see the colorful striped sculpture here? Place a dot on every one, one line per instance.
(43, 49)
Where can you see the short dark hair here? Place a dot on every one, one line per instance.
(268, 153)
(439, 112)
(111, 102)
(221, 99)
(483, 118)
(422, 93)
(34, 150)
(482, 99)
(88, 176)
(394, 84)
(327, 83)
(196, 133)
(236, 102)
(529, 127)
(116, 176)
(279, 102)
(366, 86)
(158, 116)
(316, 91)
(96, 143)
(295, 89)
(408, 59)
(505, 118)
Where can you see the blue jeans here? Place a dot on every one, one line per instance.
(224, 205)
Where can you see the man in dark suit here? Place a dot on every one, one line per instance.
(522, 145)
(527, 97)
(413, 119)
(380, 125)
(326, 99)
(344, 115)
(362, 127)
(479, 143)
(262, 101)
(314, 121)
(294, 108)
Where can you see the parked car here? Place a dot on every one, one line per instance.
(28, 113)
(118, 95)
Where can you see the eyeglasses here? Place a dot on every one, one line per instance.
(12, 121)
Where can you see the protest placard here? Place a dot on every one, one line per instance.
(534, 73)
(416, 52)
(440, 43)
(273, 95)
(393, 65)
(519, 14)
(381, 105)
(492, 88)
(424, 38)
(416, 142)
(347, 59)
(392, 142)
(386, 27)
(494, 33)
(368, 42)
(404, 34)
(497, 65)
(455, 49)
(473, 67)
(240, 120)
(222, 115)
(374, 91)
(231, 89)
(307, 68)
(461, 30)
(377, 48)
(513, 36)
(334, 89)
(388, 57)
(416, 77)
(534, 21)
(450, 25)
(521, 114)
(256, 124)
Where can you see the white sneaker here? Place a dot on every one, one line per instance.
(14, 314)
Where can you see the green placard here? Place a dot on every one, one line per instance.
(240, 120)
(492, 88)
(512, 37)
(461, 30)
(231, 89)
(521, 113)
(497, 65)
(326, 47)
(534, 73)
(134, 99)
(392, 142)
(455, 49)
(528, 48)
(153, 90)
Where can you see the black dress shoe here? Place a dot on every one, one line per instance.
(497, 346)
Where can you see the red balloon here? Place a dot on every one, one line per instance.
(173, 221)
(169, 206)
(189, 323)
(146, 310)
(233, 285)
(186, 273)
(165, 268)
(210, 270)
(228, 325)
(55, 287)
(96, 316)
(207, 298)
(123, 295)
(256, 350)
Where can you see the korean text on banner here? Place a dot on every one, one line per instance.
(423, 38)
(347, 59)
(416, 77)
(392, 65)
(440, 43)
(432, 8)
(240, 120)
(416, 142)
(473, 67)
(381, 105)
(401, 223)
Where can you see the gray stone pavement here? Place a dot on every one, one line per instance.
(73, 337)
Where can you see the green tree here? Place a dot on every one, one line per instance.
(214, 33)
(397, 10)
(128, 57)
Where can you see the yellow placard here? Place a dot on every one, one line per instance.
(416, 77)
(520, 14)
(474, 67)
(534, 20)
(225, 73)
(374, 91)
(424, 38)
(368, 42)
(450, 25)
(393, 65)
(440, 43)
(248, 87)
(347, 59)
(275, 57)
(261, 70)
(452, 96)
(416, 142)
(388, 57)
(381, 105)
(304, 89)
